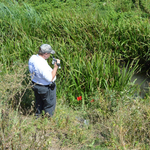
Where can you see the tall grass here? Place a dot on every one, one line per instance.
(89, 72)
(89, 45)
(24, 28)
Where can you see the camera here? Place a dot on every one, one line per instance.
(55, 61)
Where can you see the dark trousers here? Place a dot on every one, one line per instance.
(45, 99)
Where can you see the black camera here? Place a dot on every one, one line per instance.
(55, 61)
(52, 85)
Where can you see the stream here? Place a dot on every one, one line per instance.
(143, 81)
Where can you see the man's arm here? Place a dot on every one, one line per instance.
(55, 69)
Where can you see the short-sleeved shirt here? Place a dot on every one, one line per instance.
(41, 72)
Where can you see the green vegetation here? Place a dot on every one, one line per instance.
(101, 44)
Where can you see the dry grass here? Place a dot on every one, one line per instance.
(112, 121)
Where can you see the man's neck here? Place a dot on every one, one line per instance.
(43, 56)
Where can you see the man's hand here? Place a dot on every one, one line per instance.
(57, 63)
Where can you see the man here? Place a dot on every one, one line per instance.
(43, 78)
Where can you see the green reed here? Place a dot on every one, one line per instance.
(117, 31)
(88, 44)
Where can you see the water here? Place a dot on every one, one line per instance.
(143, 81)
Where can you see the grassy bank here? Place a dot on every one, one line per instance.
(92, 39)
(112, 119)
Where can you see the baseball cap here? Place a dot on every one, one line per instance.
(46, 48)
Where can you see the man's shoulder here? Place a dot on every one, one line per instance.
(33, 58)
(37, 61)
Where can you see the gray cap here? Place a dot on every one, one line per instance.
(46, 48)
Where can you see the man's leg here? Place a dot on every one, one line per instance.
(38, 103)
(50, 102)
